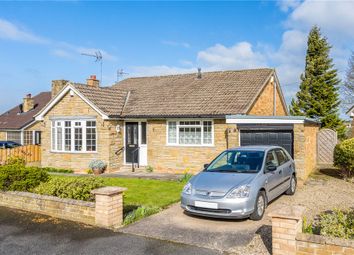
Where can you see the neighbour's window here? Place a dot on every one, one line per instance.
(74, 136)
(14, 136)
(27, 137)
(190, 132)
(282, 158)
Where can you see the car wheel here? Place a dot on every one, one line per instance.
(259, 207)
(291, 190)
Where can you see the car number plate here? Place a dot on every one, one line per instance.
(206, 205)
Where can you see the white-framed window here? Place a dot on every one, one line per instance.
(14, 136)
(190, 132)
(74, 136)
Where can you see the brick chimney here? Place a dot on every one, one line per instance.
(57, 86)
(28, 103)
(92, 81)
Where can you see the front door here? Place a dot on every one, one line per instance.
(131, 142)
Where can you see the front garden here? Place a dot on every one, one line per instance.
(142, 198)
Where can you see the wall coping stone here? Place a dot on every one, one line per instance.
(49, 198)
(304, 237)
(108, 191)
(289, 212)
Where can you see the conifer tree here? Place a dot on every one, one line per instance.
(318, 96)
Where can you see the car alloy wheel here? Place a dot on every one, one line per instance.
(293, 185)
(260, 206)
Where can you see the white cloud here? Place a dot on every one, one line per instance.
(240, 55)
(286, 5)
(176, 44)
(13, 32)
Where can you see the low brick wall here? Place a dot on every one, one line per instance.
(287, 236)
(107, 212)
(68, 209)
(322, 245)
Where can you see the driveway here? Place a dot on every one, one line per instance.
(174, 225)
(26, 233)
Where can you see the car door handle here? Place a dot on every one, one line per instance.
(280, 171)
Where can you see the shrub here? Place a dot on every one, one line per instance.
(57, 170)
(74, 188)
(97, 164)
(335, 224)
(344, 157)
(139, 213)
(15, 161)
(149, 169)
(185, 177)
(17, 177)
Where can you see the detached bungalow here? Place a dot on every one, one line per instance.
(18, 124)
(172, 123)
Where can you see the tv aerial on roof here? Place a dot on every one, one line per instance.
(98, 58)
(120, 73)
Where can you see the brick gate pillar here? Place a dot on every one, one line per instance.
(109, 206)
(286, 223)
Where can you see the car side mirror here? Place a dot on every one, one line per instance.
(271, 168)
(206, 165)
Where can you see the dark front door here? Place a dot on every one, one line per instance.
(131, 142)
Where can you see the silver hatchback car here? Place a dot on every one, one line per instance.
(240, 182)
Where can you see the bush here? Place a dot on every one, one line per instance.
(185, 177)
(344, 157)
(18, 177)
(140, 213)
(97, 164)
(74, 188)
(149, 169)
(57, 170)
(15, 161)
(335, 224)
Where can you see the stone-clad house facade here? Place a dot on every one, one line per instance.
(172, 123)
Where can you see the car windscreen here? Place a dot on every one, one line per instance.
(239, 161)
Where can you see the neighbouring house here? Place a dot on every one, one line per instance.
(173, 123)
(18, 124)
(350, 112)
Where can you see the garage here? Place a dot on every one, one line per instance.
(258, 135)
(298, 135)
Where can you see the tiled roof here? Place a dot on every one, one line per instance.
(214, 94)
(16, 119)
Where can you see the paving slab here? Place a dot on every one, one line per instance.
(174, 225)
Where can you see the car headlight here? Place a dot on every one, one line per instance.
(240, 192)
(187, 189)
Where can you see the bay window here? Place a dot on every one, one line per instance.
(194, 132)
(74, 136)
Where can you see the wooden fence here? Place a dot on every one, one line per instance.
(326, 141)
(31, 153)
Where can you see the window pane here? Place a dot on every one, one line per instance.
(67, 136)
(91, 136)
(27, 137)
(53, 136)
(190, 135)
(78, 139)
(143, 132)
(37, 137)
(59, 137)
(172, 132)
(207, 132)
(14, 136)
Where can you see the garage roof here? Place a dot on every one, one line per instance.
(251, 119)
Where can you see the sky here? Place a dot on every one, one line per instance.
(44, 41)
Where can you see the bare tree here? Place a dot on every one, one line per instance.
(348, 86)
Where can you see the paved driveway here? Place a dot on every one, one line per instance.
(26, 233)
(174, 225)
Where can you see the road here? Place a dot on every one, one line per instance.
(27, 233)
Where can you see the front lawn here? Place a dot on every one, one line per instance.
(148, 195)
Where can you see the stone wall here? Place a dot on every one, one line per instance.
(106, 212)
(264, 105)
(108, 141)
(176, 159)
(287, 236)
(2, 135)
(68, 209)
